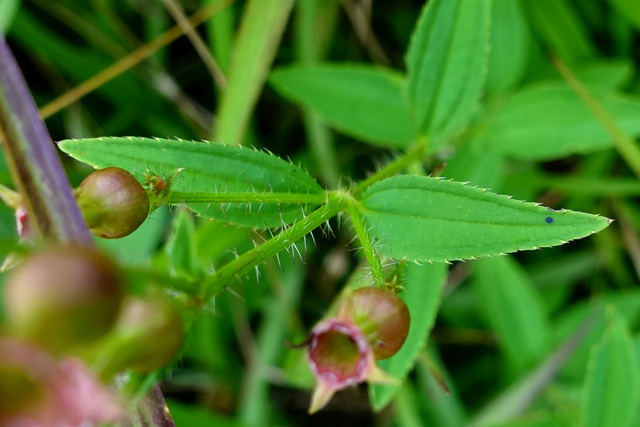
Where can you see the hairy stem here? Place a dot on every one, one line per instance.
(273, 246)
(377, 271)
(415, 152)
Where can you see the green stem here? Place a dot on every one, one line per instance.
(273, 246)
(377, 271)
(625, 145)
(415, 152)
(177, 197)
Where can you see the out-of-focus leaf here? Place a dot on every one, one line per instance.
(422, 294)
(8, 9)
(509, 45)
(430, 219)
(612, 383)
(477, 165)
(207, 168)
(365, 102)
(514, 310)
(559, 26)
(137, 248)
(626, 303)
(629, 9)
(447, 61)
(549, 121)
(605, 74)
(181, 247)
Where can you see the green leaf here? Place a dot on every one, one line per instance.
(611, 385)
(447, 61)
(181, 247)
(362, 101)
(422, 294)
(209, 168)
(562, 30)
(514, 309)
(8, 10)
(606, 74)
(431, 219)
(509, 45)
(549, 121)
(629, 9)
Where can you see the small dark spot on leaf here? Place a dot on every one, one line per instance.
(548, 220)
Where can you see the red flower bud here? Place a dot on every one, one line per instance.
(113, 202)
(63, 297)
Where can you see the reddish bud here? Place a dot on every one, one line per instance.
(113, 202)
(63, 297)
(381, 315)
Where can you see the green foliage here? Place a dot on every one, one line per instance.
(549, 121)
(612, 373)
(446, 62)
(365, 102)
(400, 135)
(206, 170)
(429, 219)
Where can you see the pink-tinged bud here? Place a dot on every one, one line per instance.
(381, 315)
(49, 392)
(151, 332)
(340, 356)
(63, 297)
(113, 202)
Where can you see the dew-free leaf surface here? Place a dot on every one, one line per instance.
(446, 64)
(208, 168)
(431, 219)
(514, 310)
(549, 121)
(611, 385)
(362, 101)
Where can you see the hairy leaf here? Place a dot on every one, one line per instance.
(365, 102)
(447, 61)
(430, 219)
(207, 168)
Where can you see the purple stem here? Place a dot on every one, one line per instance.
(34, 164)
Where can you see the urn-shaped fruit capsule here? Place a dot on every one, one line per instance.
(63, 297)
(113, 202)
(381, 315)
